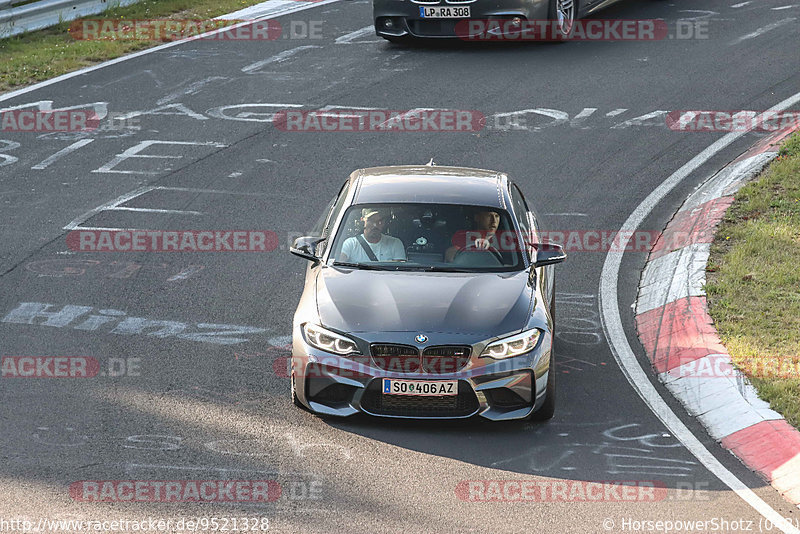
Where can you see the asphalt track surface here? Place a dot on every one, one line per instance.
(199, 409)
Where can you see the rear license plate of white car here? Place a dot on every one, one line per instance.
(419, 387)
(444, 12)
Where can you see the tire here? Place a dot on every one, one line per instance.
(549, 407)
(295, 400)
(566, 11)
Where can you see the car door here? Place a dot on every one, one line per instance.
(329, 216)
(529, 226)
(521, 215)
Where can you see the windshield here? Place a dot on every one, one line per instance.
(427, 237)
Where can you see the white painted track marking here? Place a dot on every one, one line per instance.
(281, 8)
(211, 191)
(348, 38)
(761, 31)
(272, 8)
(61, 153)
(109, 229)
(112, 204)
(611, 320)
(132, 466)
(567, 214)
(154, 210)
(115, 205)
(642, 120)
(277, 58)
(135, 152)
(188, 90)
(581, 117)
(704, 14)
(742, 4)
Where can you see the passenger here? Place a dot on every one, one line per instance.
(486, 222)
(373, 244)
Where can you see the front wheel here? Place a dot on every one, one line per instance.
(295, 400)
(563, 13)
(549, 407)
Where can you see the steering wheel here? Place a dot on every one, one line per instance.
(472, 247)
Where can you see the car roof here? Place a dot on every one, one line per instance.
(429, 184)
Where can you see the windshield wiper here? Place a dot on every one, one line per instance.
(365, 266)
(401, 266)
(437, 269)
(431, 268)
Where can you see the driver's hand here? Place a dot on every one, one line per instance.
(482, 244)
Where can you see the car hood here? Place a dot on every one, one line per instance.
(488, 304)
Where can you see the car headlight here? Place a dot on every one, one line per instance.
(513, 346)
(324, 339)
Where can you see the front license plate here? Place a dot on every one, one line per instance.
(443, 12)
(419, 387)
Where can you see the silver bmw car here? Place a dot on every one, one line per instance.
(401, 20)
(427, 295)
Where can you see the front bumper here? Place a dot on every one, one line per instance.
(405, 20)
(497, 390)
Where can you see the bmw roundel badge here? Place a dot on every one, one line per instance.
(421, 338)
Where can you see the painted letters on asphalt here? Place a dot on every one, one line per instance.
(80, 318)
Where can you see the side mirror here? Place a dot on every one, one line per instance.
(548, 254)
(306, 247)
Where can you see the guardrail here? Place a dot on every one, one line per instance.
(16, 19)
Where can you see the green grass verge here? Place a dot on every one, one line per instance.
(753, 281)
(45, 54)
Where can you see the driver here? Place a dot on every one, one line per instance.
(486, 222)
(373, 244)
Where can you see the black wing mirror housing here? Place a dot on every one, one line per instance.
(306, 247)
(549, 254)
